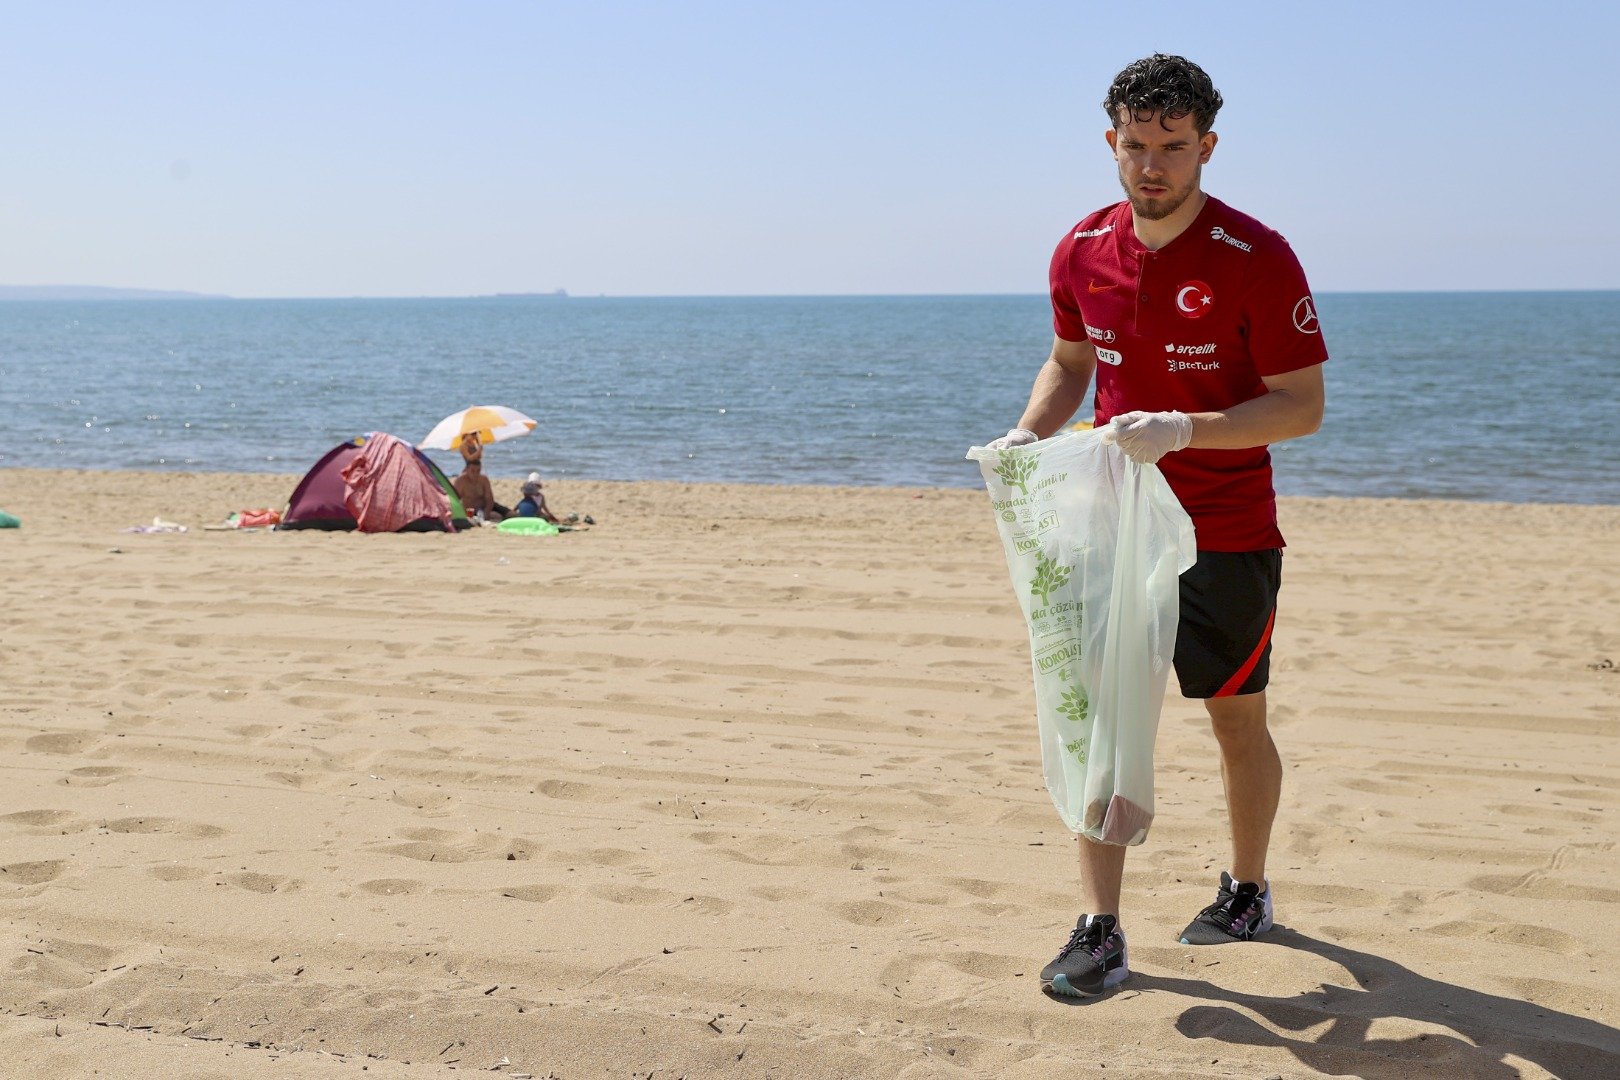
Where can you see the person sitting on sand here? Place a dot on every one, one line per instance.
(533, 504)
(477, 496)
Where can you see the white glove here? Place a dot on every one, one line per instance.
(1016, 437)
(1148, 436)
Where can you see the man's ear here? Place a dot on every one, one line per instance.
(1112, 136)
(1206, 147)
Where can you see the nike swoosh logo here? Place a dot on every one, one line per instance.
(1096, 288)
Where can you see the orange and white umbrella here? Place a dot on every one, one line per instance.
(491, 423)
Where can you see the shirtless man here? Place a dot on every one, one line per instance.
(477, 496)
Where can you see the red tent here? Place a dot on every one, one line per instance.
(321, 499)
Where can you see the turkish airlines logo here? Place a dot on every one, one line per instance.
(1194, 300)
(1305, 316)
(1100, 335)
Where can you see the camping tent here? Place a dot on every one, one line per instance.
(318, 502)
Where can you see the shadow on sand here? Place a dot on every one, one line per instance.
(1483, 1029)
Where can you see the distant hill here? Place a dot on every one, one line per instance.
(97, 292)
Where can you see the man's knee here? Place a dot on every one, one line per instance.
(1239, 722)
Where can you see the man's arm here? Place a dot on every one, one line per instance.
(1290, 408)
(1060, 388)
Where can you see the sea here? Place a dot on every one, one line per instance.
(1510, 397)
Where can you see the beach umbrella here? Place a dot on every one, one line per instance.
(491, 423)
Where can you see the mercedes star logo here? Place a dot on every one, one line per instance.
(1305, 316)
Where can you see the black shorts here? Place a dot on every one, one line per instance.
(1228, 606)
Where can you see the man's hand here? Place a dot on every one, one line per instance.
(1148, 436)
(1016, 437)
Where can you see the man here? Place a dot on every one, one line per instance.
(473, 487)
(1200, 328)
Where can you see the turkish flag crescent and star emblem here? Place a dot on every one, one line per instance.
(1194, 299)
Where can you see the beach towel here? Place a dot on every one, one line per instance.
(1095, 544)
(386, 489)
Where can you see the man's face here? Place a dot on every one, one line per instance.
(1159, 163)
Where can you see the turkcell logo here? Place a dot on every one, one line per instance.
(1109, 356)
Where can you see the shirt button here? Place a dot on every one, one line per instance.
(1144, 298)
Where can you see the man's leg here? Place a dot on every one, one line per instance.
(1252, 773)
(1102, 867)
(1094, 959)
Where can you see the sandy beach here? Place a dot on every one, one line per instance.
(744, 782)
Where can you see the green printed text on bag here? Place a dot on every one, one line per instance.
(1096, 545)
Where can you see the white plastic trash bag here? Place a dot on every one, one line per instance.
(1096, 544)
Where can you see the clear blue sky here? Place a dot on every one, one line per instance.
(387, 149)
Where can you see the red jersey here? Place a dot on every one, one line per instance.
(1193, 326)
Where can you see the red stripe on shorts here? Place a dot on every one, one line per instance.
(1236, 681)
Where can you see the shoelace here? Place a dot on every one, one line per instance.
(1097, 947)
(1236, 905)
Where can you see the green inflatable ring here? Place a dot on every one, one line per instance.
(528, 526)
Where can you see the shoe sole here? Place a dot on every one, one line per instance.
(1060, 984)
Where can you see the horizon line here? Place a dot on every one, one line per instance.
(188, 296)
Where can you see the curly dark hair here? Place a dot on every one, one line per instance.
(1171, 86)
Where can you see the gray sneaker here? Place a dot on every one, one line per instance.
(1093, 960)
(1241, 910)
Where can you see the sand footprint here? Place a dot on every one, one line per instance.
(31, 873)
(252, 731)
(777, 895)
(63, 742)
(47, 821)
(566, 789)
(94, 775)
(533, 894)
(1536, 886)
(1334, 895)
(425, 800)
(1510, 933)
(631, 894)
(391, 886)
(171, 826)
(443, 846)
(765, 849)
(871, 913)
(263, 883)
